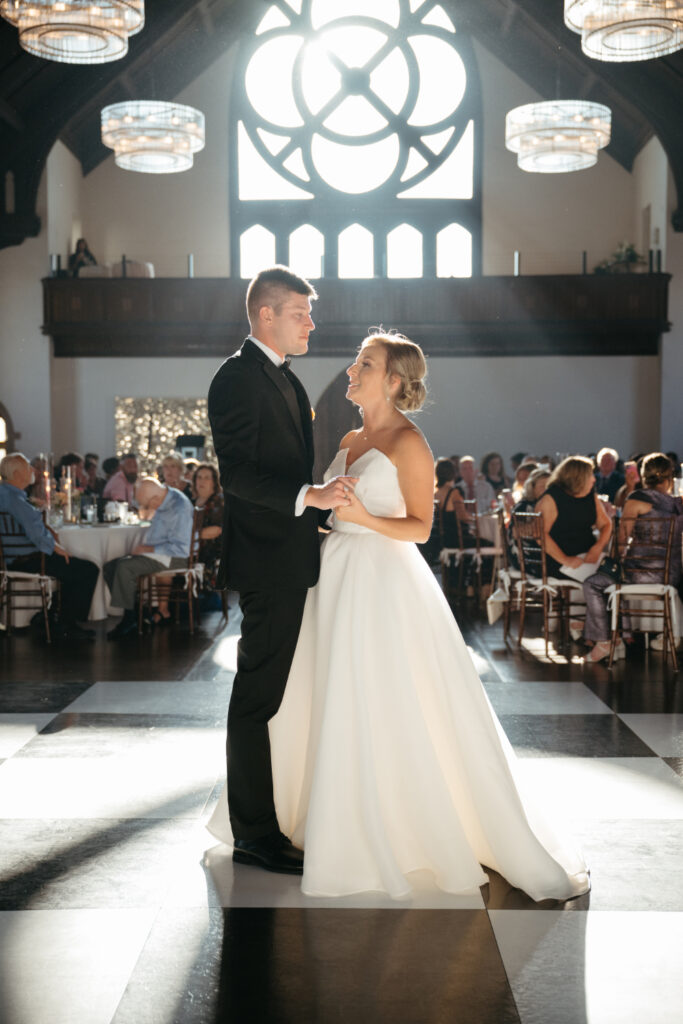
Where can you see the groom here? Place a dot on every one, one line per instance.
(261, 422)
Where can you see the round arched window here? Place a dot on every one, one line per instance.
(359, 122)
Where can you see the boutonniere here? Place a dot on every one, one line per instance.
(312, 413)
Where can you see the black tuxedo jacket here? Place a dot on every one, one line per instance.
(262, 432)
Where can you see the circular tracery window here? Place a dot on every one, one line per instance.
(342, 101)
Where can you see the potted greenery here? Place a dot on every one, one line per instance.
(623, 260)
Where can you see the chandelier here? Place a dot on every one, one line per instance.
(75, 31)
(558, 135)
(621, 30)
(152, 136)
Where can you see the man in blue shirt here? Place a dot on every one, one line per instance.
(78, 576)
(167, 546)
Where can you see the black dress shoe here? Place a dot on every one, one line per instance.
(123, 628)
(273, 852)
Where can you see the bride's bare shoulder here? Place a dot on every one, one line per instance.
(410, 444)
(348, 439)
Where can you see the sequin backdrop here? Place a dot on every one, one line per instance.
(149, 427)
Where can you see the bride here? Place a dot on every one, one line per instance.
(387, 756)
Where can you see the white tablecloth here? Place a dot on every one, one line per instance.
(100, 544)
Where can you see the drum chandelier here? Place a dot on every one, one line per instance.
(153, 136)
(75, 31)
(558, 135)
(623, 30)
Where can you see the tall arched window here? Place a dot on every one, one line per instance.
(361, 123)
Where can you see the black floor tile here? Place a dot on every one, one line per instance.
(637, 688)
(88, 863)
(319, 966)
(676, 763)
(572, 736)
(38, 695)
(164, 654)
(87, 734)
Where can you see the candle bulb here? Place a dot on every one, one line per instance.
(68, 495)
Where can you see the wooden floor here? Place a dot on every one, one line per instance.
(117, 906)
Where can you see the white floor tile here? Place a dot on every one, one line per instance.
(177, 697)
(662, 733)
(68, 966)
(18, 729)
(607, 787)
(592, 968)
(514, 698)
(209, 879)
(104, 788)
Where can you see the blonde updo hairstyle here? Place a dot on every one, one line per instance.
(406, 361)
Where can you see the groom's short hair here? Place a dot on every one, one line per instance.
(270, 286)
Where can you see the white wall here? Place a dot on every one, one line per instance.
(672, 343)
(650, 177)
(160, 218)
(64, 180)
(549, 218)
(543, 405)
(24, 351)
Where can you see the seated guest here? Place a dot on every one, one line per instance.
(191, 467)
(492, 471)
(455, 459)
(172, 470)
(522, 474)
(109, 467)
(534, 487)
(96, 484)
(37, 491)
(632, 480)
(516, 460)
(207, 489)
(121, 486)
(78, 577)
(444, 480)
(571, 511)
(92, 457)
(654, 498)
(473, 487)
(73, 461)
(167, 547)
(608, 479)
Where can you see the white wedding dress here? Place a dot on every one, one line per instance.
(387, 755)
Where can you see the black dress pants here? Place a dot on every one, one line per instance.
(270, 629)
(78, 578)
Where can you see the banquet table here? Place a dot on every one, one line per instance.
(100, 543)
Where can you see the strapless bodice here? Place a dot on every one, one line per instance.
(377, 486)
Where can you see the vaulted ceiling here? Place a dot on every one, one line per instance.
(42, 101)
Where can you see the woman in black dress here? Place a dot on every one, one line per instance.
(572, 513)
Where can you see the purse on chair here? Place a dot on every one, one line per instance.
(611, 567)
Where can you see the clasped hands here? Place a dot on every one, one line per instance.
(337, 493)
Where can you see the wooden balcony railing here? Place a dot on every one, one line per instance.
(487, 316)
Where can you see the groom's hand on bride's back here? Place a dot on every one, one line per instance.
(334, 494)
